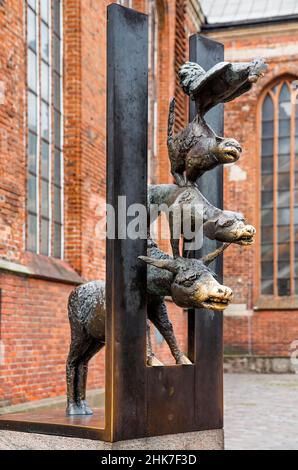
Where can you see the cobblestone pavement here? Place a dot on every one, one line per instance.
(261, 412)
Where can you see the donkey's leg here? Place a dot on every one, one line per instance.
(70, 379)
(94, 346)
(151, 358)
(175, 232)
(77, 349)
(159, 317)
(178, 177)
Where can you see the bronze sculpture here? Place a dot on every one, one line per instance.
(222, 225)
(189, 282)
(222, 83)
(197, 149)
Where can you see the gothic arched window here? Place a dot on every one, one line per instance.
(45, 128)
(279, 190)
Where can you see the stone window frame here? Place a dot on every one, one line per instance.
(125, 3)
(273, 298)
(45, 203)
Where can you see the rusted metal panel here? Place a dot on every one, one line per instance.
(206, 327)
(127, 81)
(144, 401)
(171, 397)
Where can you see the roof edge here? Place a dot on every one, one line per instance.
(248, 23)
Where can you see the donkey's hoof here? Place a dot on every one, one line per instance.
(153, 361)
(183, 360)
(86, 407)
(78, 410)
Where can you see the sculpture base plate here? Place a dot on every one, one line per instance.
(198, 440)
(201, 440)
(54, 421)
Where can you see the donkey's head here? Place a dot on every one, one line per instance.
(193, 283)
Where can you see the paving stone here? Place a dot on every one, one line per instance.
(261, 412)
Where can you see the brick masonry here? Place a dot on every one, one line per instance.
(33, 325)
(267, 332)
(34, 330)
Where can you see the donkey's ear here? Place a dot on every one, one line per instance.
(226, 219)
(212, 256)
(168, 264)
(208, 229)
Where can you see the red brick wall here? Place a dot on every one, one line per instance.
(12, 130)
(178, 317)
(35, 333)
(85, 109)
(33, 324)
(72, 91)
(268, 332)
(181, 55)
